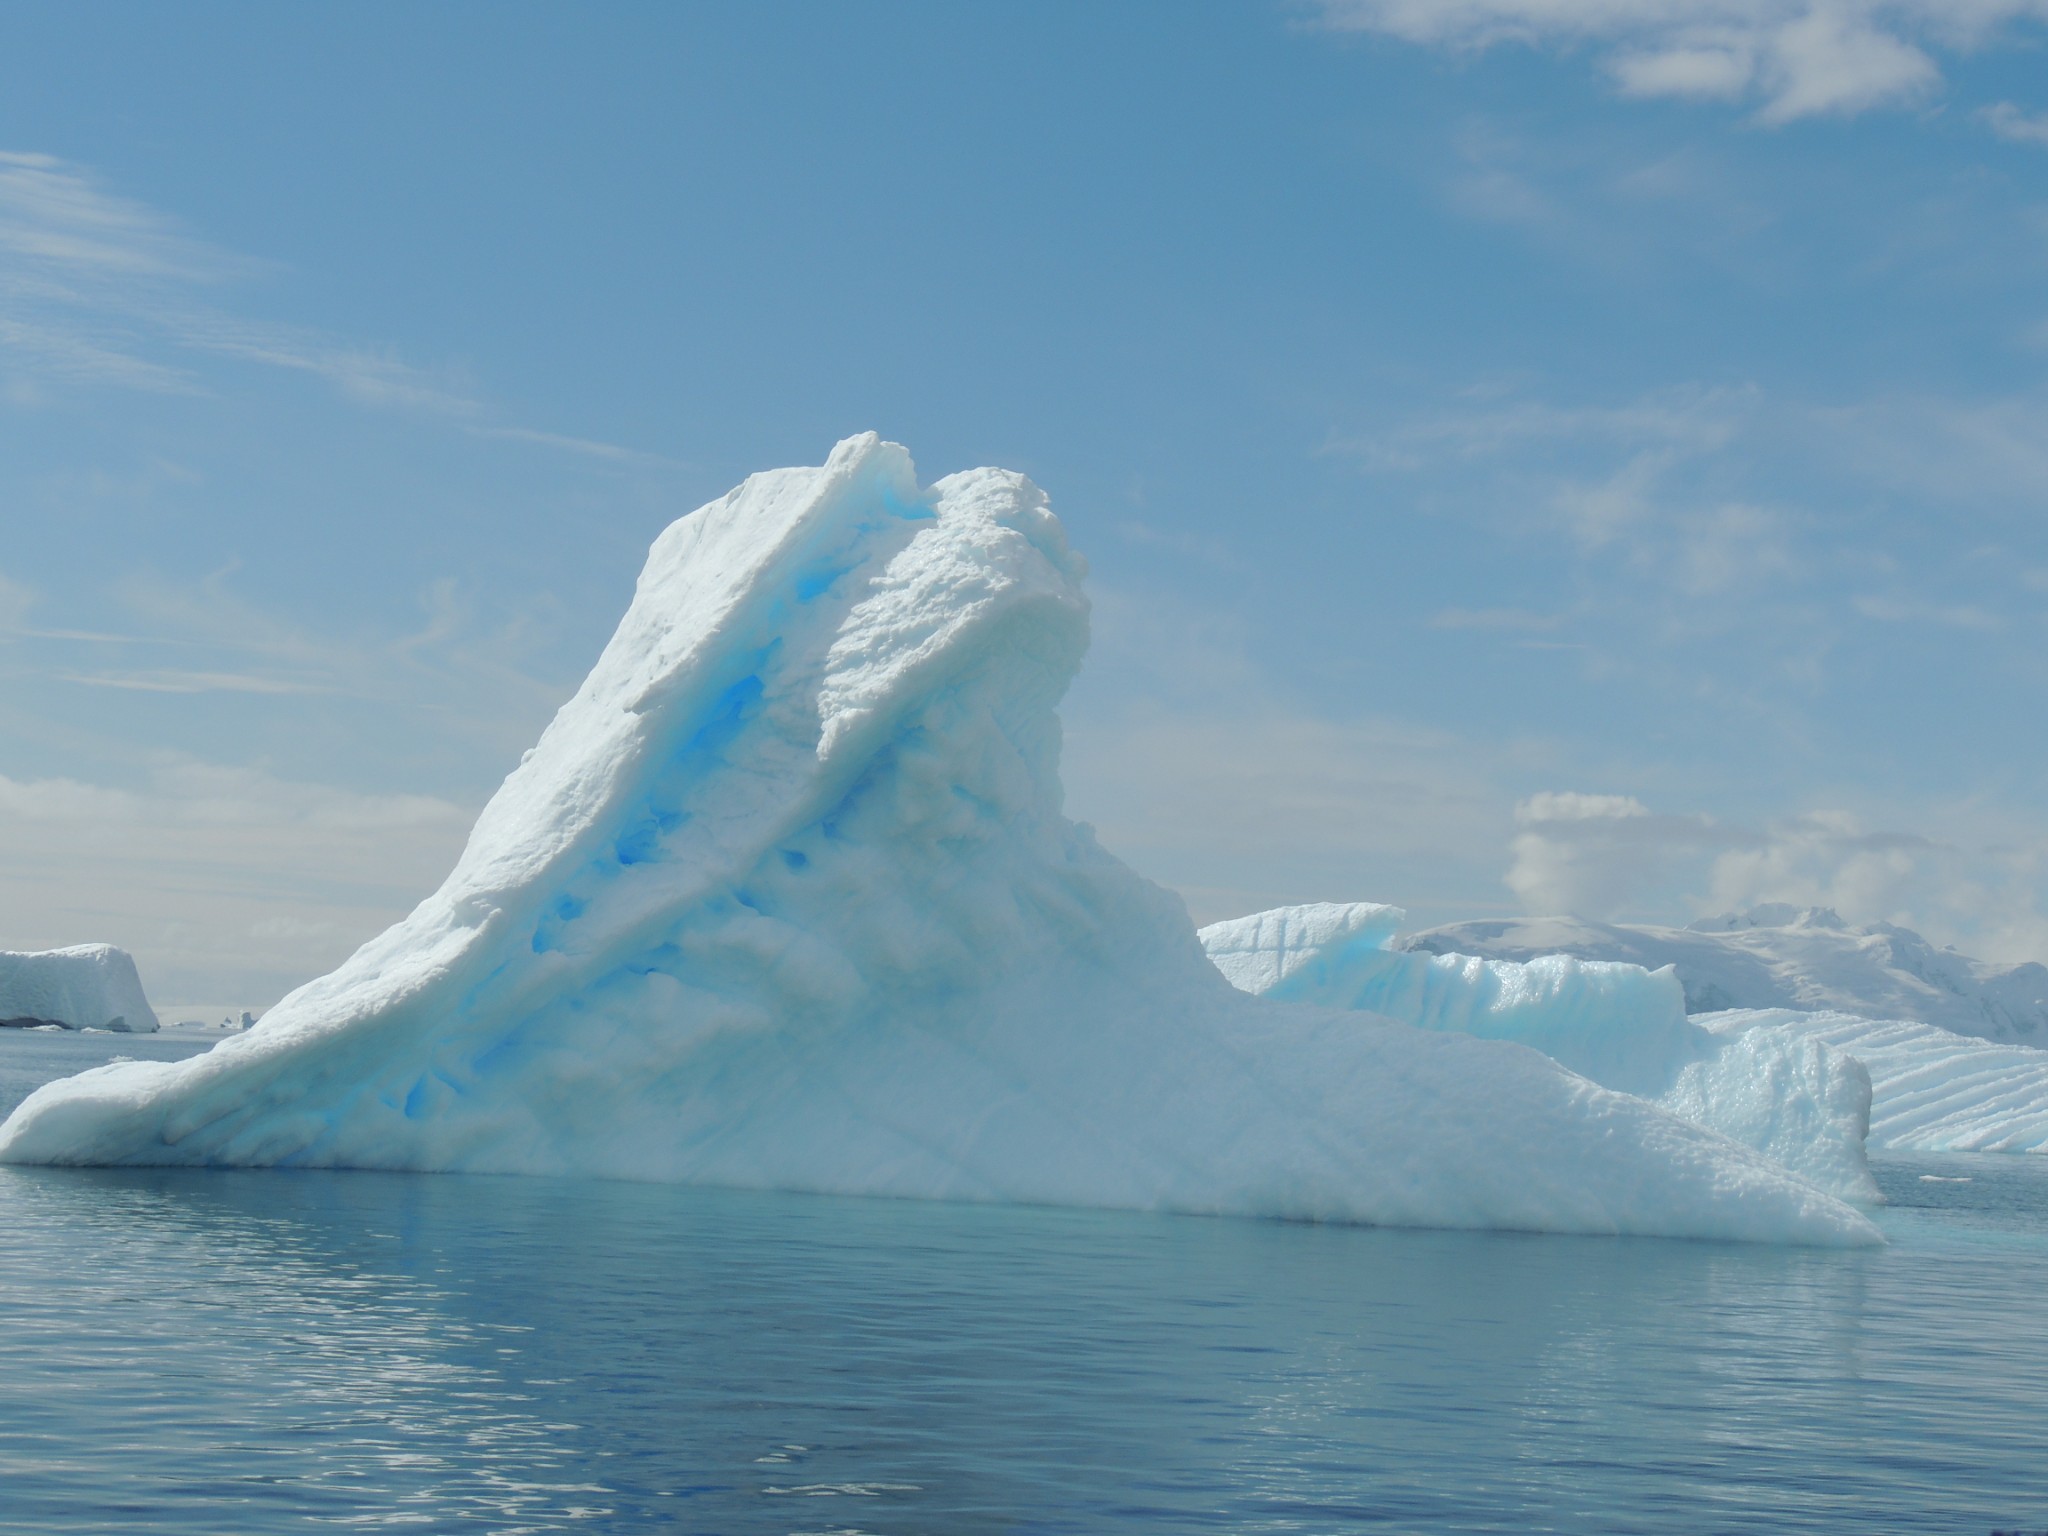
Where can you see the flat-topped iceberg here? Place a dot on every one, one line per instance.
(87, 986)
(1785, 1093)
(784, 898)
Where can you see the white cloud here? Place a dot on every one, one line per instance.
(1641, 491)
(1730, 547)
(228, 883)
(1824, 859)
(1596, 855)
(1685, 420)
(1610, 856)
(1989, 450)
(1207, 774)
(455, 694)
(15, 602)
(1701, 73)
(234, 881)
(1507, 619)
(2010, 123)
(1908, 610)
(178, 680)
(1601, 511)
(100, 290)
(1794, 58)
(63, 222)
(1569, 805)
(1834, 60)
(1247, 803)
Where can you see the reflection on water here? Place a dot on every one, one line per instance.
(270, 1352)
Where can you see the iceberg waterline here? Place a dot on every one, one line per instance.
(784, 898)
(1787, 1094)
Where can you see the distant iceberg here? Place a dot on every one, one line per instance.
(784, 898)
(1781, 956)
(1785, 1093)
(88, 986)
(1931, 1090)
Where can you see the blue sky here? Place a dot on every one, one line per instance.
(1533, 454)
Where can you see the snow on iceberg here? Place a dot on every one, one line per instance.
(784, 898)
(1932, 1090)
(88, 986)
(1786, 1094)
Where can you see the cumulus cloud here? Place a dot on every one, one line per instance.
(1792, 58)
(1611, 857)
(1596, 855)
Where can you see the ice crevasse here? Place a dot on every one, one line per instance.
(784, 898)
(1786, 1093)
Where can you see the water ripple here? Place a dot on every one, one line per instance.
(267, 1353)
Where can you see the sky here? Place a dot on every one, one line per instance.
(1533, 455)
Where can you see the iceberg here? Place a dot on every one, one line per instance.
(784, 897)
(88, 986)
(1780, 956)
(1791, 1096)
(1932, 1090)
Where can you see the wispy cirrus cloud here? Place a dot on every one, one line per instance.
(229, 883)
(1668, 480)
(1790, 59)
(457, 669)
(176, 680)
(100, 290)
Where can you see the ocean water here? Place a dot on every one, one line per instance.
(272, 1352)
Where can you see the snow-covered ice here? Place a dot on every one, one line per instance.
(1931, 1090)
(1786, 1094)
(87, 986)
(1779, 956)
(784, 898)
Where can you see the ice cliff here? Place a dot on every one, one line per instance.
(1785, 1093)
(88, 986)
(784, 898)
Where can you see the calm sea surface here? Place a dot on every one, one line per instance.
(228, 1353)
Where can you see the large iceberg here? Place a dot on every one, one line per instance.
(1787, 1094)
(87, 986)
(1932, 1090)
(784, 898)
